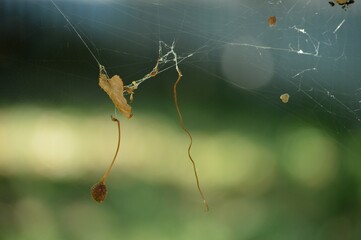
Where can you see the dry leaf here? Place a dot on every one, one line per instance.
(114, 88)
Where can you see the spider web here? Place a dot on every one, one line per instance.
(234, 64)
(308, 54)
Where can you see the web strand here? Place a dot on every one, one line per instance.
(101, 67)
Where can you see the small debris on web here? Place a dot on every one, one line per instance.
(343, 3)
(272, 21)
(285, 97)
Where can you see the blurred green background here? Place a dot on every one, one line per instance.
(269, 170)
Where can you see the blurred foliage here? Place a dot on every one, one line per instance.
(296, 183)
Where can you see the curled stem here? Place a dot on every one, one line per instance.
(102, 180)
(206, 207)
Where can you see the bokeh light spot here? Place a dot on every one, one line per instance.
(310, 157)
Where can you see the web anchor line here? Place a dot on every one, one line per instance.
(101, 67)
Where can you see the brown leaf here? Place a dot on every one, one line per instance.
(114, 88)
